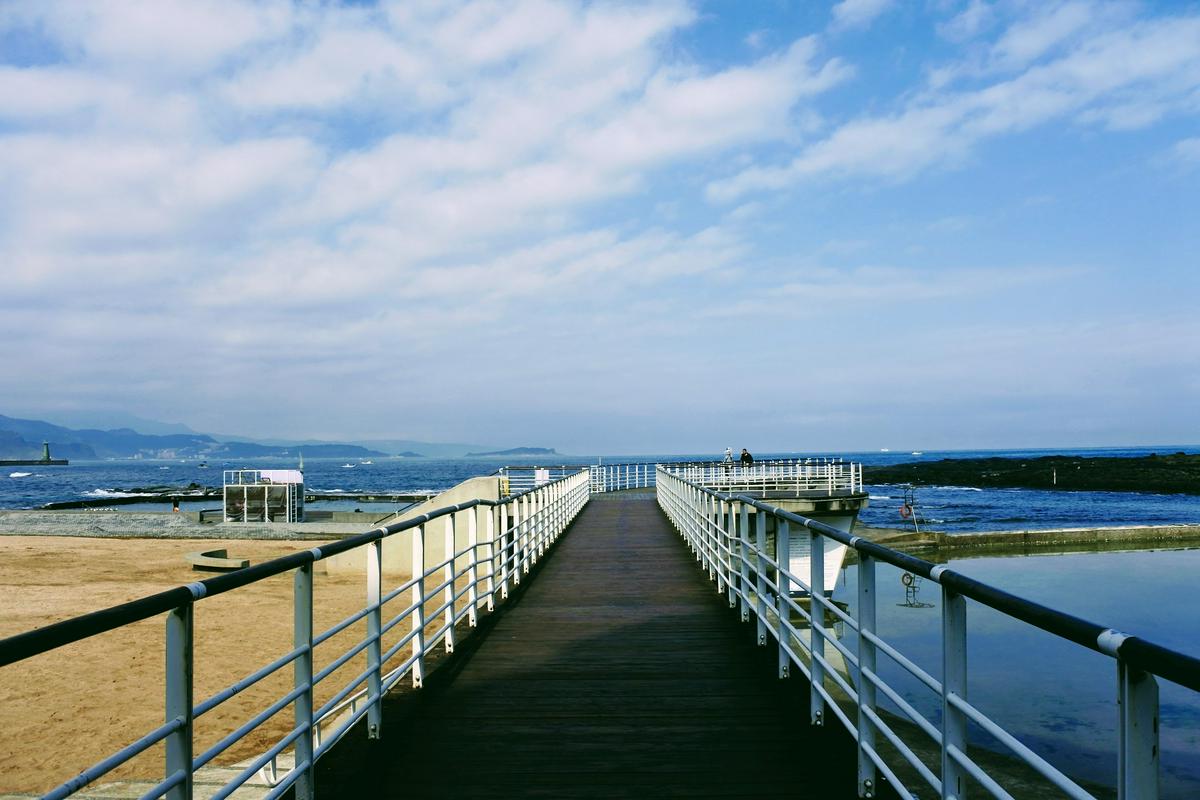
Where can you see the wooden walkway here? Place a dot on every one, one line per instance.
(619, 672)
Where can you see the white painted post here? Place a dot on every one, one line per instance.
(302, 673)
(731, 571)
(784, 584)
(1138, 707)
(501, 530)
(472, 569)
(816, 586)
(954, 682)
(448, 579)
(744, 559)
(866, 661)
(375, 648)
(490, 539)
(760, 571)
(179, 698)
(418, 604)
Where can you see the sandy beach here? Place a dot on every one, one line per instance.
(62, 711)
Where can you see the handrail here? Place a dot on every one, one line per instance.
(716, 525)
(514, 538)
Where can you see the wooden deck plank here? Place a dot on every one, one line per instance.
(619, 672)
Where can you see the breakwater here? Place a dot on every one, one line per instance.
(1176, 473)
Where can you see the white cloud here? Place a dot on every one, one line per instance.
(849, 14)
(968, 23)
(1121, 78)
(1187, 150)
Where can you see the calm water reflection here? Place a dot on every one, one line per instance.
(1057, 697)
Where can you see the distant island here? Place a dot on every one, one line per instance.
(520, 451)
(1178, 473)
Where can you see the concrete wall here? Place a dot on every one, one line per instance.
(397, 549)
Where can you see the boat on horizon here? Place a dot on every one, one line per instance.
(349, 466)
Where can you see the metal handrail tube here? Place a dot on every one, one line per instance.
(539, 515)
(916, 717)
(396, 620)
(690, 508)
(1045, 768)
(115, 760)
(399, 590)
(262, 716)
(342, 693)
(271, 753)
(1142, 654)
(245, 683)
(293, 775)
(977, 772)
(334, 665)
(918, 673)
(393, 677)
(341, 626)
(166, 784)
(912, 758)
(333, 738)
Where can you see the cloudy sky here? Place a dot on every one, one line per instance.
(603, 227)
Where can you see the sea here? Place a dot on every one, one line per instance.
(1056, 697)
(952, 509)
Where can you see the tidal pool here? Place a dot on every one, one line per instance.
(1055, 696)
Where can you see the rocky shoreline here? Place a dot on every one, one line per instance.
(1177, 473)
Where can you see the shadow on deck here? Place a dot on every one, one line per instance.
(619, 672)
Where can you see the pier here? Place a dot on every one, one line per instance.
(618, 672)
(616, 632)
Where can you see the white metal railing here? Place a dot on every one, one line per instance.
(618, 477)
(504, 539)
(603, 477)
(827, 475)
(733, 549)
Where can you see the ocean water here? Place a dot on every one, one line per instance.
(1055, 696)
(945, 508)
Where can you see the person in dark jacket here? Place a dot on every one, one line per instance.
(747, 459)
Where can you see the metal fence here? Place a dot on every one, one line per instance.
(603, 477)
(504, 539)
(803, 476)
(717, 527)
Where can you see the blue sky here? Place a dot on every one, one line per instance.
(651, 227)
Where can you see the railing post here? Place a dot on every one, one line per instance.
(302, 671)
(731, 571)
(375, 648)
(418, 603)
(744, 559)
(448, 579)
(866, 663)
(472, 568)
(816, 587)
(518, 518)
(1137, 694)
(505, 543)
(489, 533)
(784, 584)
(760, 585)
(954, 682)
(179, 698)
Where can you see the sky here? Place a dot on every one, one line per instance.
(606, 227)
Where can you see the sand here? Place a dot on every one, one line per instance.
(63, 711)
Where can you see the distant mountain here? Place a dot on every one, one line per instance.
(110, 420)
(22, 438)
(520, 451)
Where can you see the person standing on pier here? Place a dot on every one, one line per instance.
(747, 459)
(728, 462)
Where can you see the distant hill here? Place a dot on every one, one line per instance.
(22, 438)
(520, 451)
